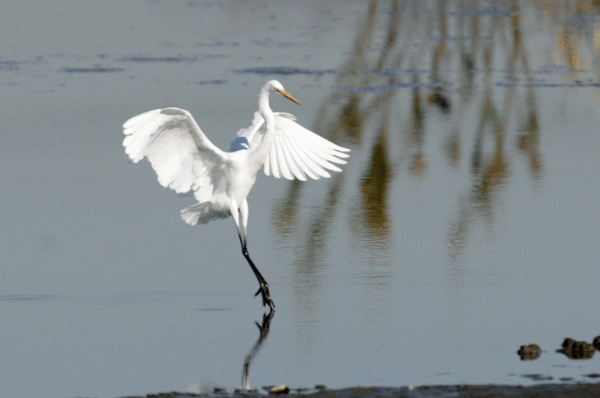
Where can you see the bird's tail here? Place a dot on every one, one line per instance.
(203, 213)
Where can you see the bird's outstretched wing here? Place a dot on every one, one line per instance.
(295, 152)
(181, 155)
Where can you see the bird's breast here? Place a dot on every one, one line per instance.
(241, 175)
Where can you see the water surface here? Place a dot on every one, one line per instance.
(464, 225)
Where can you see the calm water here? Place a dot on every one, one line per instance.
(465, 224)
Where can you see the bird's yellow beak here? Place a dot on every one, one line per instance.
(287, 95)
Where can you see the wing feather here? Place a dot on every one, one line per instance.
(267, 166)
(312, 165)
(295, 152)
(179, 152)
(308, 166)
(250, 133)
(282, 159)
(316, 162)
(311, 148)
(296, 164)
(256, 130)
(275, 169)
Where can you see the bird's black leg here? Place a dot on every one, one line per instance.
(264, 286)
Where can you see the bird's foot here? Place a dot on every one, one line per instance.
(266, 295)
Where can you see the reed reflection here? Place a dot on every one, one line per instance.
(415, 133)
(459, 74)
(529, 139)
(489, 172)
(339, 114)
(346, 115)
(374, 186)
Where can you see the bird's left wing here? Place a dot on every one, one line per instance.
(295, 152)
(256, 130)
(181, 155)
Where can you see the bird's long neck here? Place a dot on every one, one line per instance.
(261, 153)
(265, 109)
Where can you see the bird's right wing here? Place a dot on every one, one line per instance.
(181, 155)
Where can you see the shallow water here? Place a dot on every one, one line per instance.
(464, 225)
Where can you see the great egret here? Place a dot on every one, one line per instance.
(184, 159)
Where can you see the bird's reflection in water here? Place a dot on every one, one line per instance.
(264, 332)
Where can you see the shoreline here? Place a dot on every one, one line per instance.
(547, 390)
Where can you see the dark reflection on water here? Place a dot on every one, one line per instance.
(284, 70)
(463, 74)
(176, 59)
(95, 69)
(24, 298)
(441, 76)
(264, 329)
(374, 187)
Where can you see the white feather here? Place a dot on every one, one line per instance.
(180, 154)
(296, 152)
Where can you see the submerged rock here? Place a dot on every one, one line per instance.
(577, 349)
(596, 342)
(280, 389)
(529, 352)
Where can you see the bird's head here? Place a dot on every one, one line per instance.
(277, 87)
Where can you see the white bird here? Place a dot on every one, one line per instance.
(184, 159)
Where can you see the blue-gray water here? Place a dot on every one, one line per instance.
(464, 225)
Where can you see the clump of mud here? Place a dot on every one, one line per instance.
(570, 347)
(529, 352)
(577, 349)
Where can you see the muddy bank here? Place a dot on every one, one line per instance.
(475, 391)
